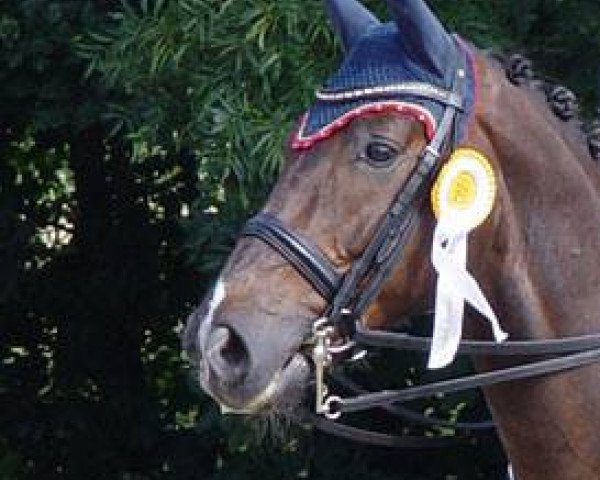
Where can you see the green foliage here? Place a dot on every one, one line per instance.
(135, 137)
(214, 75)
(561, 36)
(40, 74)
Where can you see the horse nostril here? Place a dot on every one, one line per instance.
(227, 355)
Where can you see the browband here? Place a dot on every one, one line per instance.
(413, 89)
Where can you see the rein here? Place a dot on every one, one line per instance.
(349, 295)
(584, 350)
(576, 352)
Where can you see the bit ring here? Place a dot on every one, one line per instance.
(328, 409)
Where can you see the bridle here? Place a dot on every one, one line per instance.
(348, 296)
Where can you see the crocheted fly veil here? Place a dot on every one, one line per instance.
(380, 59)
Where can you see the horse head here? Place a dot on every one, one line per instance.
(349, 159)
(348, 230)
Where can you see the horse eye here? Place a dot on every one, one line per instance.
(380, 154)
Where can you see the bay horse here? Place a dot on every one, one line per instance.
(407, 97)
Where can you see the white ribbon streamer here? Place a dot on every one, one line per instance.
(455, 286)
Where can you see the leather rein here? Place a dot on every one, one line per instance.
(349, 295)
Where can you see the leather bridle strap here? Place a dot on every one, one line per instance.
(379, 439)
(302, 254)
(550, 346)
(365, 278)
(533, 369)
(410, 415)
(394, 231)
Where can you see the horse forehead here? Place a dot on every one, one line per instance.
(316, 165)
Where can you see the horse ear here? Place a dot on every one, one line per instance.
(424, 37)
(350, 20)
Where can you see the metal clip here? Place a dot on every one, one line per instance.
(321, 357)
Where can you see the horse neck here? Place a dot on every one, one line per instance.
(542, 274)
(545, 258)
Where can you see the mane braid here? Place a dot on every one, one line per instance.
(562, 101)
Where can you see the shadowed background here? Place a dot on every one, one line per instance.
(135, 138)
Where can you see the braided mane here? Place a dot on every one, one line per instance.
(562, 101)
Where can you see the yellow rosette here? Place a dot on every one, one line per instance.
(465, 189)
(462, 198)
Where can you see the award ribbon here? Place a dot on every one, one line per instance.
(462, 198)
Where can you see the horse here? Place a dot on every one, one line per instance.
(407, 99)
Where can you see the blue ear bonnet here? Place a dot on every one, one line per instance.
(378, 58)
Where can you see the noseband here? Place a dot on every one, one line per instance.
(349, 295)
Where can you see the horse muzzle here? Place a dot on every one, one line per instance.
(242, 375)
